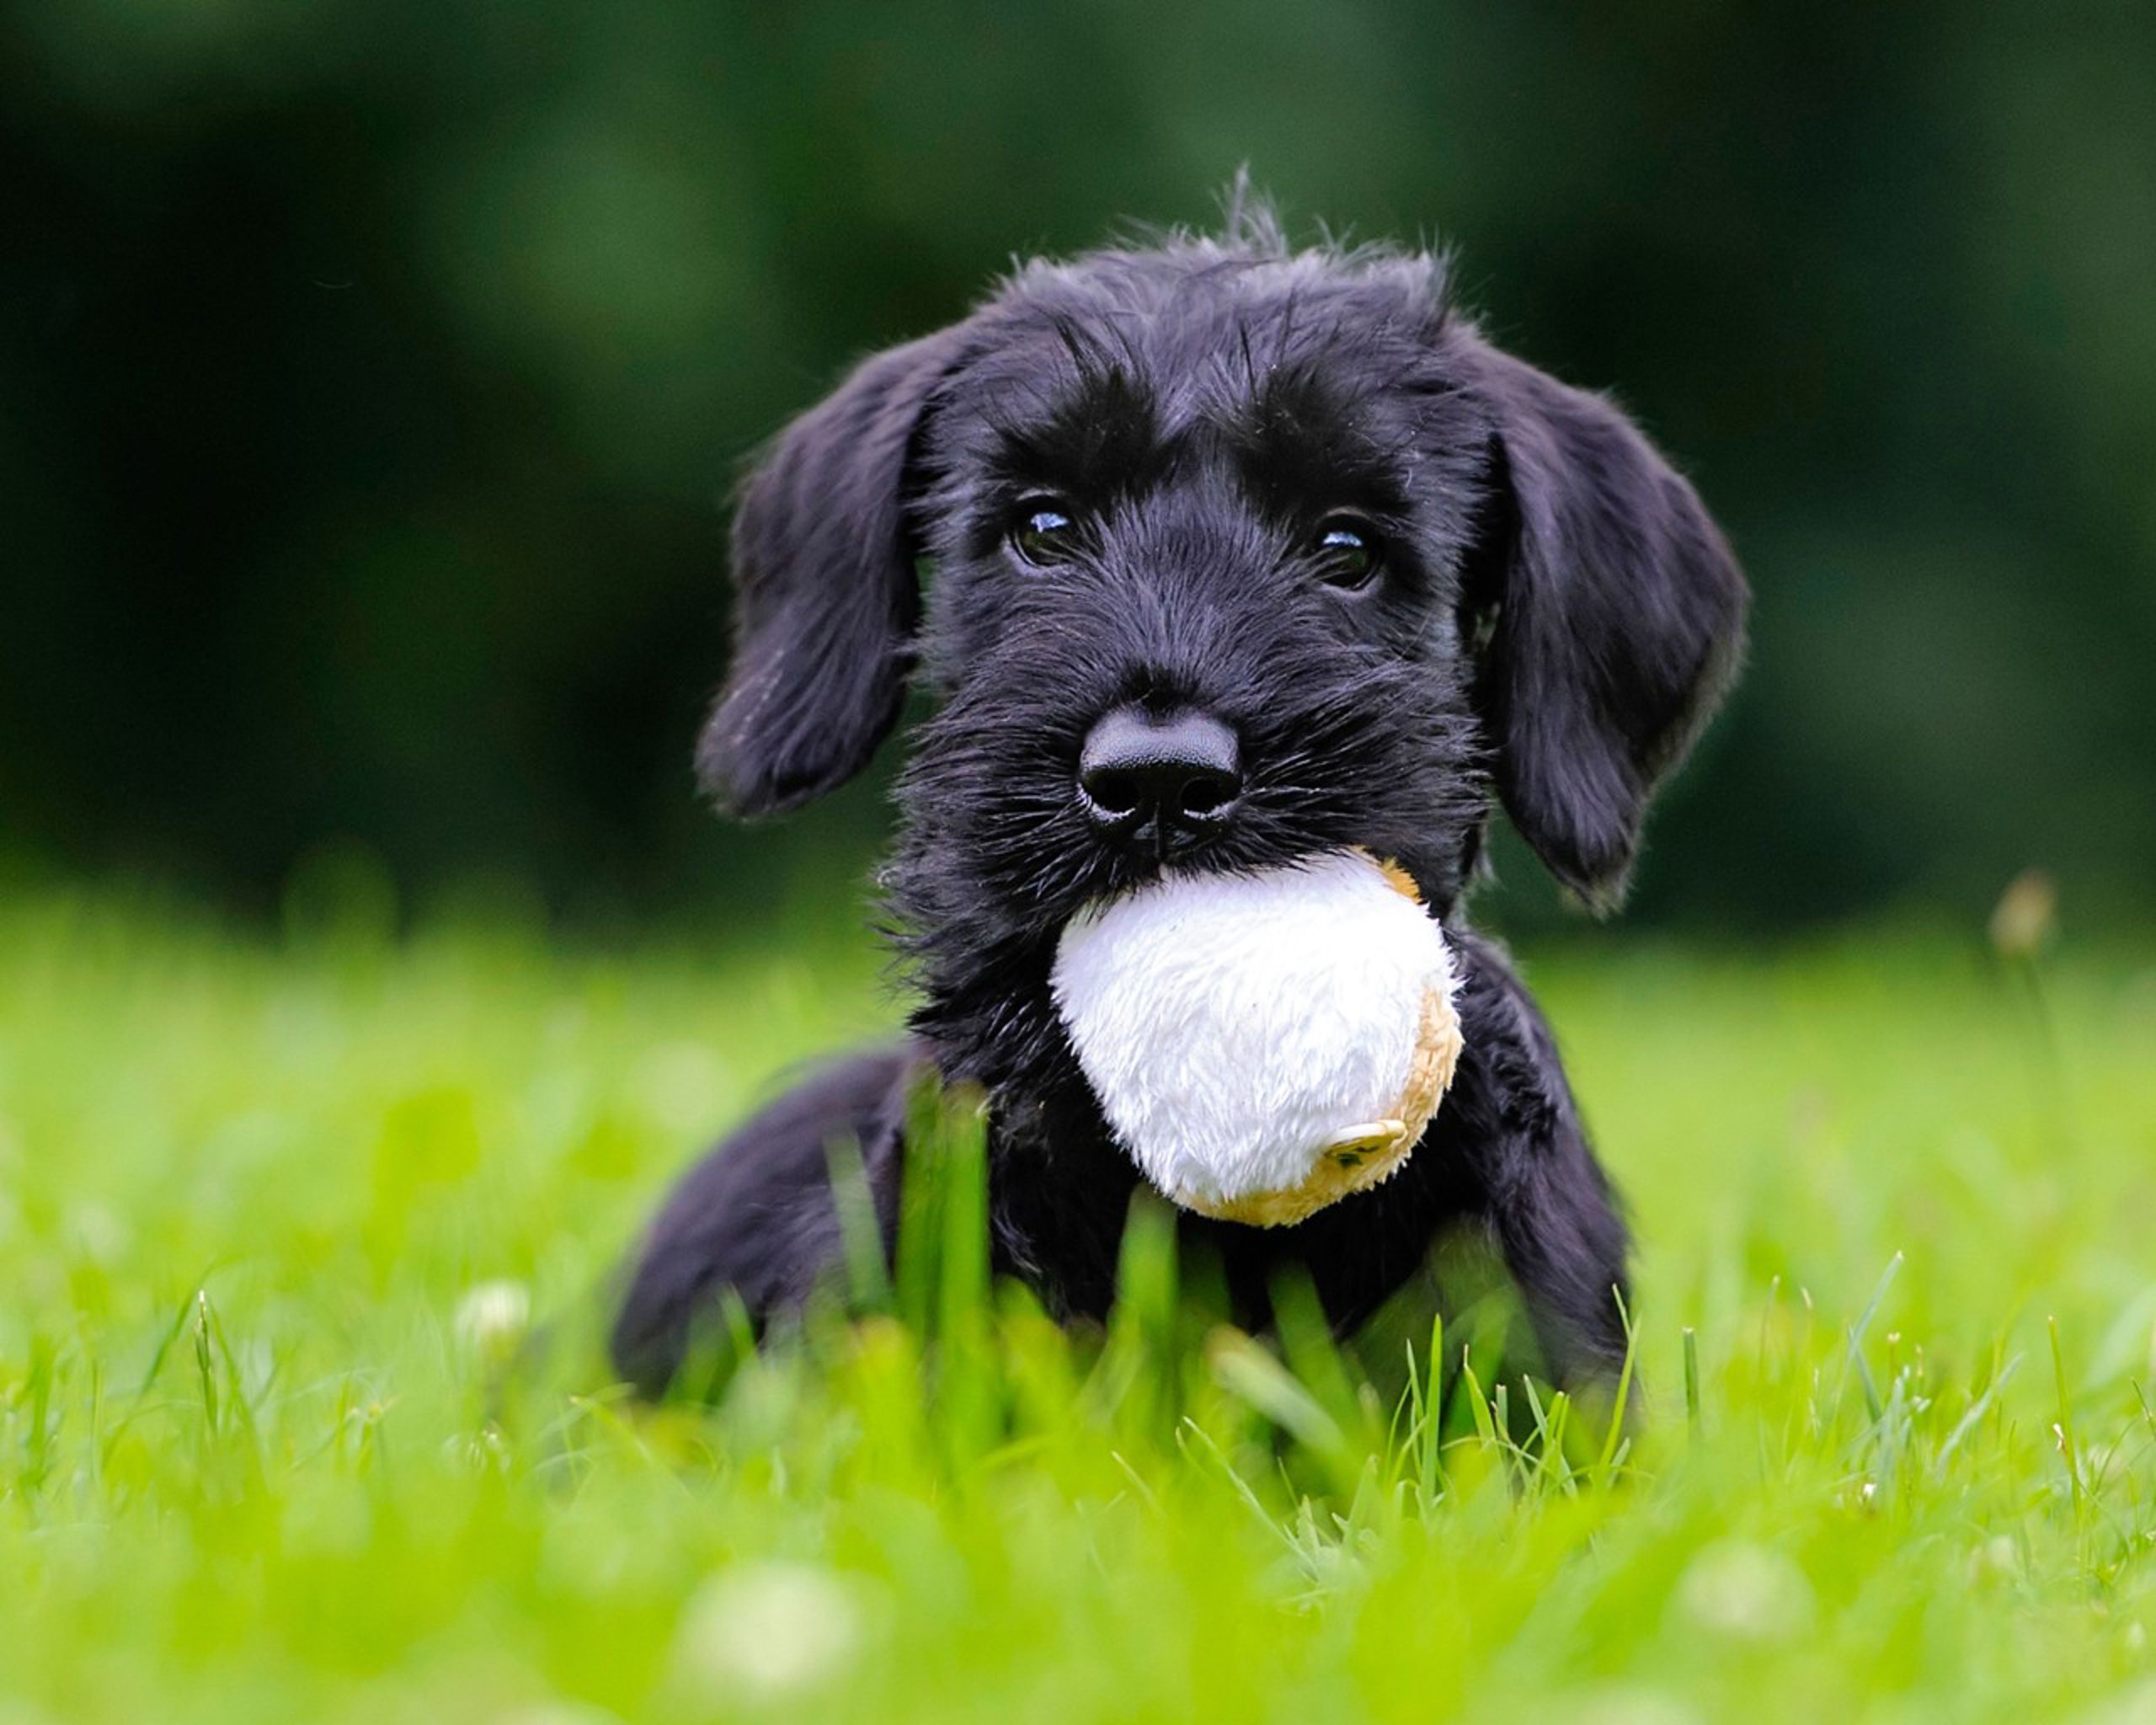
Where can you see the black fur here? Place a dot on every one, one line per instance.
(1554, 617)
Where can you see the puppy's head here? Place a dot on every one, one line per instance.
(1219, 554)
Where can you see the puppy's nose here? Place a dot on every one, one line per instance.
(1172, 777)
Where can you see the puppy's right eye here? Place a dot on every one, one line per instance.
(1044, 532)
(1347, 554)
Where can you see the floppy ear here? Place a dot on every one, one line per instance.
(1615, 615)
(825, 598)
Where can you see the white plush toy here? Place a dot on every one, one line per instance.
(1263, 1044)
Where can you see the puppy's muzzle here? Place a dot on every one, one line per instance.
(1165, 781)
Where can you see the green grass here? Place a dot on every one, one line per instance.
(277, 1441)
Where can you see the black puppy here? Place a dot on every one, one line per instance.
(1233, 555)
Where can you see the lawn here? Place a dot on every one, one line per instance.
(303, 1417)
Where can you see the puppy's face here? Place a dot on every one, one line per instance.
(1230, 556)
(1201, 546)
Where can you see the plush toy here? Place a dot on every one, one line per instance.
(1263, 1044)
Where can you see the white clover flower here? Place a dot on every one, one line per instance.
(1997, 1559)
(767, 1630)
(492, 1318)
(1747, 1592)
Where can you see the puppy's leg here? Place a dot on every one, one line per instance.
(1548, 1203)
(756, 1215)
(1565, 1246)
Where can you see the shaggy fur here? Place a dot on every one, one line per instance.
(1551, 617)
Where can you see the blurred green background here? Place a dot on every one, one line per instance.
(372, 376)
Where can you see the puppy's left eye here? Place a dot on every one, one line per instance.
(1044, 531)
(1346, 554)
